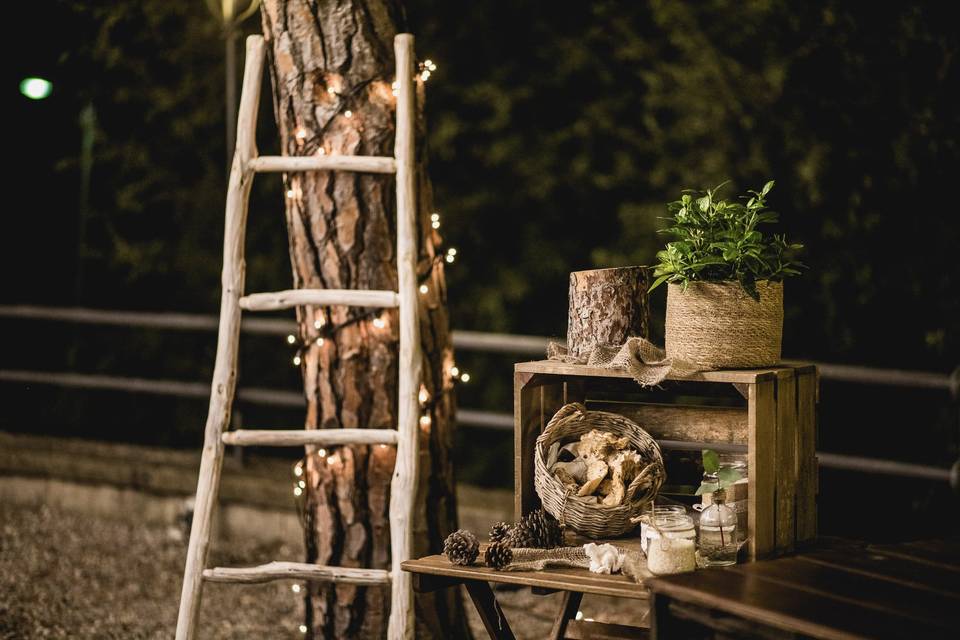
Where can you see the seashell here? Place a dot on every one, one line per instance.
(596, 472)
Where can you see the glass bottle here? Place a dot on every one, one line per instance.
(671, 544)
(718, 533)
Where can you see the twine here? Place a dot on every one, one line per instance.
(647, 363)
(717, 325)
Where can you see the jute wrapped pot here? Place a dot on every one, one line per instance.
(584, 514)
(717, 325)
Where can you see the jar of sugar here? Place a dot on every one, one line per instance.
(671, 544)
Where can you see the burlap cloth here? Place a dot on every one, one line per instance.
(634, 562)
(646, 362)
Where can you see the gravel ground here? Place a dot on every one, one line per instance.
(64, 575)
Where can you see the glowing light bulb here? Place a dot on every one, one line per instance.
(331, 460)
(424, 288)
(425, 75)
(331, 91)
(348, 113)
(303, 628)
(291, 339)
(297, 491)
(298, 471)
(465, 377)
(301, 134)
(379, 323)
(295, 588)
(449, 258)
(35, 88)
(425, 420)
(454, 371)
(435, 220)
(321, 151)
(423, 396)
(318, 323)
(290, 193)
(452, 251)
(428, 63)
(395, 87)
(302, 484)
(296, 361)
(319, 342)
(322, 453)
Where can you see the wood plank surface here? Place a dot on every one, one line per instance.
(940, 553)
(786, 462)
(592, 630)
(884, 595)
(761, 421)
(568, 611)
(807, 471)
(788, 608)
(746, 376)
(683, 422)
(556, 578)
(919, 575)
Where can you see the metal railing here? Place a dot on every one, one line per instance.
(462, 340)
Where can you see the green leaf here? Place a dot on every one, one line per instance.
(705, 488)
(728, 476)
(711, 461)
(766, 188)
(659, 281)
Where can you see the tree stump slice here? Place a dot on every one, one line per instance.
(607, 306)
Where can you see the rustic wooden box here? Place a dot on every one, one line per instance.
(767, 414)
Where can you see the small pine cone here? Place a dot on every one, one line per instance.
(520, 536)
(544, 529)
(499, 532)
(498, 555)
(461, 547)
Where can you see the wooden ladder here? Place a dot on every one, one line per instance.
(246, 163)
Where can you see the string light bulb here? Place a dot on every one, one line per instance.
(424, 289)
(425, 420)
(296, 361)
(395, 87)
(290, 193)
(291, 339)
(301, 135)
(424, 396)
(318, 323)
(297, 491)
(454, 371)
(464, 377)
(321, 151)
(303, 628)
(322, 453)
(302, 484)
(331, 91)
(348, 113)
(379, 323)
(435, 220)
(298, 470)
(319, 342)
(295, 588)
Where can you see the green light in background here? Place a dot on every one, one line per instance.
(36, 88)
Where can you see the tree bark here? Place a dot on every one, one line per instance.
(332, 68)
(607, 306)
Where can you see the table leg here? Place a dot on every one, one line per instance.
(489, 609)
(568, 610)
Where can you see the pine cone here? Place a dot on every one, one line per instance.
(521, 537)
(498, 555)
(499, 532)
(544, 529)
(461, 547)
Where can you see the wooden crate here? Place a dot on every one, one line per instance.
(767, 414)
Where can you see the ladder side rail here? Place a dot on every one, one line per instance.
(403, 486)
(225, 369)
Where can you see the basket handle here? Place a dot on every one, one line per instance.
(566, 411)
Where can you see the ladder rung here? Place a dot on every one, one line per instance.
(296, 571)
(301, 437)
(365, 164)
(323, 297)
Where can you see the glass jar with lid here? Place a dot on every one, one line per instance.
(656, 510)
(671, 544)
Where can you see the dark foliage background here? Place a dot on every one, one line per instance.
(557, 132)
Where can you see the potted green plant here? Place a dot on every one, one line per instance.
(725, 280)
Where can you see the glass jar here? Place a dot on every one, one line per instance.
(671, 544)
(719, 541)
(656, 511)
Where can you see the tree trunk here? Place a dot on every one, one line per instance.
(607, 306)
(332, 68)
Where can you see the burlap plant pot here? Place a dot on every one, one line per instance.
(717, 325)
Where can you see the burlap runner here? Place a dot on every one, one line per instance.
(646, 362)
(634, 562)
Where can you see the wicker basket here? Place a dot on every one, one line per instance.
(586, 516)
